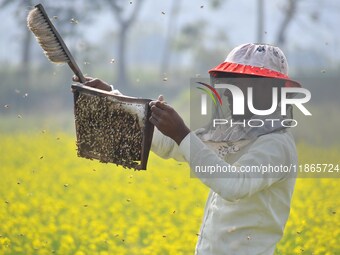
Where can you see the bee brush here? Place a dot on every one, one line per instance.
(49, 39)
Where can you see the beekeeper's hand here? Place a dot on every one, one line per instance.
(98, 84)
(167, 120)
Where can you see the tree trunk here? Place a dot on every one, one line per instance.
(289, 15)
(260, 21)
(26, 51)
(122, 81)
(124, 26)
(166, 58)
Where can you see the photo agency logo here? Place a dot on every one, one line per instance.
(245, 102)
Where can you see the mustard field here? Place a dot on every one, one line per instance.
(52, 202)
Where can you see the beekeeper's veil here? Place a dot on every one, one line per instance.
(256, 61)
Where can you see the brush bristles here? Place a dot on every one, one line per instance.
(37, 23)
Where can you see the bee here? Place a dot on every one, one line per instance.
(74, 21)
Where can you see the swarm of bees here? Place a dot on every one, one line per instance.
(107, 130)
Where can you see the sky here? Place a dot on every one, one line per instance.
(235, 18)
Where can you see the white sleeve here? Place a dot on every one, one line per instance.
(165, 147)
(273, 149)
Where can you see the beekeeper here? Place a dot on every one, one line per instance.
(246, 212)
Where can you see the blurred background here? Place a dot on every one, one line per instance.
(146, 48)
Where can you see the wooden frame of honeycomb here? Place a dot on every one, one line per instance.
(111, 128)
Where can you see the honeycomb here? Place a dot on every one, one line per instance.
(109, 130)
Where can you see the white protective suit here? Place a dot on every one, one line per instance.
(245, 214)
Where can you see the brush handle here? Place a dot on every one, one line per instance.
(73, 65)
(71, 62)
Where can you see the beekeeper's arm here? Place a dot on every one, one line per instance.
(163, 145)
(166, 147)
(98, 84)
(273, 149)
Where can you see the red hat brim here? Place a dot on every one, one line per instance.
(234, 68)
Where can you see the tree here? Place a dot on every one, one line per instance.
(166, 58)
(63, 12)
(27, 39)
(289, 14)
(260, 20)
(125, 21)
(191, 36)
